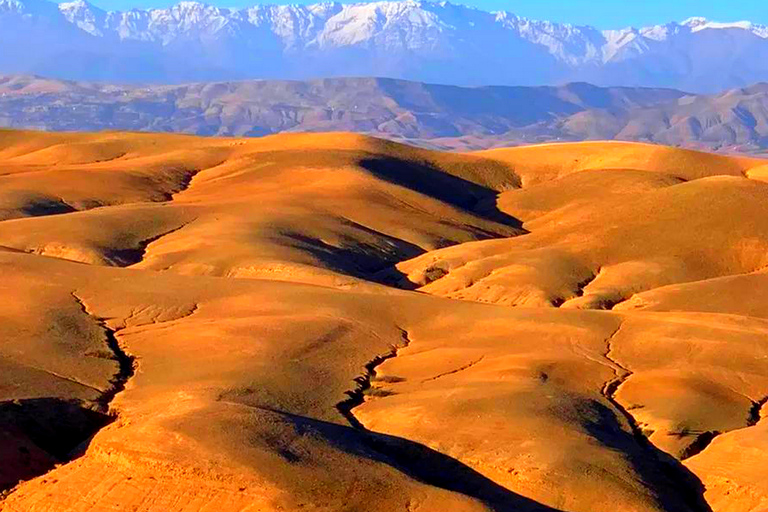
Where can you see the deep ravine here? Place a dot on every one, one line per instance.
(356, 397)
(705, 439)
(59, 427)
(126, 363)
(686, 484)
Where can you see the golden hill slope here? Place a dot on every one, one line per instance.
(162, 296)
(600, 234)
(355, 203)
(543, 162)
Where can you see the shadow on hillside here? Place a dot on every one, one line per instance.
(372, 261)
(353, 256)
(429, 180)
(45, 207)
(419, 462)
(675, 486)
(36, 434)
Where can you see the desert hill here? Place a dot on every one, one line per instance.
(428, 115)
(336, 322)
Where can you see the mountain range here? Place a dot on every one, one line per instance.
(438, 116)
(416, 40)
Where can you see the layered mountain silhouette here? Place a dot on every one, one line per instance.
(423, 114)
(417, 40)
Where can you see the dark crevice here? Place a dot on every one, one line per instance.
(578, 291)
(419, 461)
(687, 485)
(557, 302)
(356, 397)
(704, 439)
(126, 364)
(184, 184)
(755, 412)
(606, 303)
(586, 282)
(134, 255)
(457, 370)
(599, 303)
(699, 444)
(38, 434)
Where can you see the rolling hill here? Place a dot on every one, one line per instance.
(337, 322)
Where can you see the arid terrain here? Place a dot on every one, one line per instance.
(433, 116)
(334, 322)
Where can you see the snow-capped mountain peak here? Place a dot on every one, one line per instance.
(417, 39)
(353, 24)
(698, 24)
(85, 16)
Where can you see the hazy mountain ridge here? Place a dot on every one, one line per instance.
(424, 114)
(426, 41)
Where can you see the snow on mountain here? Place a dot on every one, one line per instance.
(405, 39)
(85, 16)
(699, 24)
(27, 7)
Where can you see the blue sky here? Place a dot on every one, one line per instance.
(600, 13)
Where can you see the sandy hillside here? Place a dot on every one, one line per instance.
(332, 322)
